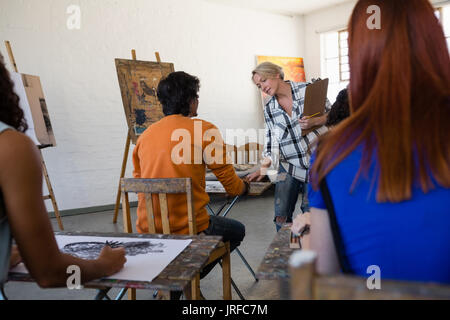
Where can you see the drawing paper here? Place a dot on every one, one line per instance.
(146, 258)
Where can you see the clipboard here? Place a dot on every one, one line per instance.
(315, 100)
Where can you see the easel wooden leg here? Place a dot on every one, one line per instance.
(51, 195)
(122, 174)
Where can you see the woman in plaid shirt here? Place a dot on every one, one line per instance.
(286, 150)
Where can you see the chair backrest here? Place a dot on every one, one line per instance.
(249, 153)
(231, 151)
(161, 187)
(305, 284)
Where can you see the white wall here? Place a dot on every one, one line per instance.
(216, 43)
(332, 18)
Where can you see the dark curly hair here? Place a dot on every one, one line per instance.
(10, 112)
(339, 110)
(176, 92)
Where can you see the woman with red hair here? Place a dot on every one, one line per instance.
(384, 172)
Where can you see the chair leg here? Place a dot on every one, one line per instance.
(131, 294)
(226, 273)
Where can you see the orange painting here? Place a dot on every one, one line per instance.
(293, 68)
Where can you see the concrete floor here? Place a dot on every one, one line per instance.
(256, 213)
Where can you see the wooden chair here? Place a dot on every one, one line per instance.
(306, 285)
(162, 187)
(232, 152)
(249, 153)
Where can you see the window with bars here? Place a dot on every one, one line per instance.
(344, 67)
(334, 54)
(335, 63)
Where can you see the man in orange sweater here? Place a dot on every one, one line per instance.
(180, 147)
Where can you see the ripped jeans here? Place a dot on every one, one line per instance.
(287, 191)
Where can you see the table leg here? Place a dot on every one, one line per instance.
(121, 294)
(2, 294)
(102, 294)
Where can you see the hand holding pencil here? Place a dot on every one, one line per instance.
(308, 122)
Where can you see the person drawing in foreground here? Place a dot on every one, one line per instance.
(23, 215)
(387, 166)
(170, 148)
(284, 122)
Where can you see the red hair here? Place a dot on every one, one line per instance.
(399, 99)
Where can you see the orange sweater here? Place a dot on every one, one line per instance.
(157, 156)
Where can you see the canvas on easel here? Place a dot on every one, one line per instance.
(138, 81)
(32, 102)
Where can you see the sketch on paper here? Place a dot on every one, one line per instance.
(91, 250)
(146, 258)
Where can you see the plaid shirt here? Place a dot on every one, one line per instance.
(284, 134)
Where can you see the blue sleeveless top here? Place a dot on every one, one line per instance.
(5, 232)
(409, 240)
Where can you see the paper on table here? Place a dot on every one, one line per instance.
(146, 258)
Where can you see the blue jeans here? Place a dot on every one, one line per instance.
(286, 195)
(230, 229)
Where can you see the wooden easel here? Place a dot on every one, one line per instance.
(51, 194)
(127, 149)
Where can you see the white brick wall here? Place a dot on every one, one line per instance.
(217, 43)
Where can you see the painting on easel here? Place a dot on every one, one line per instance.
(32, 102)
(138, 81)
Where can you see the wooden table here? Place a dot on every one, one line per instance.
(176, 276)
(275, 264)
(256, 188)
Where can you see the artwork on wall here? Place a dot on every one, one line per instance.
(146, 258)
(32, 102)
(293, 68)
(138, 81)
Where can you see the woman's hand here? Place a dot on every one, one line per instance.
(255, 176)
(259, 174)
(307, 123)
(300, 222)
(15, 258)
(112, 260)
